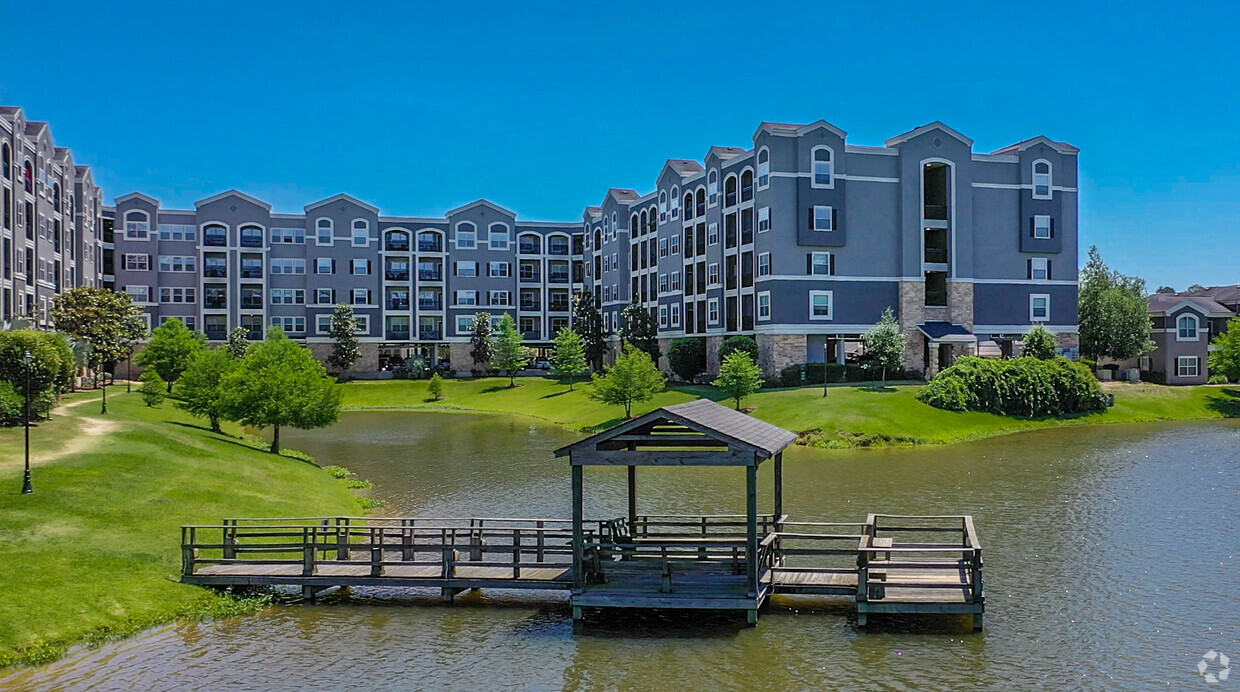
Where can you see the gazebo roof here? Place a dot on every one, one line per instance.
(696, 433)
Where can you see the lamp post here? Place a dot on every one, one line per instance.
(129, 370)
(27, 488)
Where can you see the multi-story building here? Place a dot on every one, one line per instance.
(803, 240)
(415, 284)
(50, 220)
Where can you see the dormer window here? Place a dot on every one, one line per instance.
(824, 174)
(764, 168)
(1041, 180)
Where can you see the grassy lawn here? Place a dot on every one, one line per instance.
(94, 553)
(850, 416)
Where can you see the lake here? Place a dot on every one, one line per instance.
(1111, 563)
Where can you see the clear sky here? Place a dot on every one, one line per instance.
(420, 107)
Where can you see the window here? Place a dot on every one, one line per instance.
(764, 168)
(1042, 227)
(288, 296)
(712, 187)
(675, 280)
(764, 305)
(360, 267)
(361, 233)
(823, 173)
(466, 297)
(662, 316)
(322, 324)
(712, 234)
(190, 321)
(1186, 366)
(823, 219)
(464, 324)
(1186, 328)
(700, 204)
(177, 264)
(662, 247)
(251, 236)
(361, 296)
(820, 305)
(501, 269)
(137, 225)
(674, 247)
(1039, 268)
(139, 294)
(290, 325)
(821, 264)
(499, 298)
(173, 231)
(363, 323)
(325, 296)
(288, 236)
(497, 235)
(1041, 179)
(712, 311)
(466, 236)
(176, 295)
(324, 265)
(675, 314)
(675, 197)
(288, 265)
(137, 263)
(764, 264)
(6, 161)
(466, 269)
(323, 232)
(764, 219)
(1039, 307)
(712, 274)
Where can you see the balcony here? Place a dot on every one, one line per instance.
(935, 212)
(252, 272)
(216, 333)
(397, 334)
(430, 275)
(530, 306)
(429, 245)
(558, 306)
(425, 334)
(214, 239)
(248, 303)
(558, 277)
(396, 243)
(559, 248)
(396, 274)
(251, 239)
(529, 277)
(424, 304)
(211, 272)
(398, 304)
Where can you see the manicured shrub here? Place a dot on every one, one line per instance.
(687, 357)
(152, 389)
(1027, 387)
(1039, 343)
(738, 343)
(1154, 376)
(1218, 379)
(12, 405)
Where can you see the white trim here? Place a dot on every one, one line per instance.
(1049, 232)
(1021, 186)
(758, 306)
(830, 218)
(833, 328)
(758, 174)
(1196, 328)
(1050, 172)
(1023, 328)
(1196, 362)
(342, 197)
(813, 180)
(833, 277)
(830, 305)
(1034, 318)
(1024, 282)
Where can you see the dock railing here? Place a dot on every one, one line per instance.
(906, 557)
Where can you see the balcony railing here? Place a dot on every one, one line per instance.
(936, 255)
(398, 335)
(213, 240)
(429, 334)
(557, 278)
(215, 273)
(251, 273)
(251, 241)
(210, 304)
(428, 275)
(937, 212)
(561, 250)
(558, 307)
(396, 246)
(397, 304)
(252, 303)
(430, 304)
(216, 334)
(396, 275)
(424, 246)
(529, 305)
(528, 277)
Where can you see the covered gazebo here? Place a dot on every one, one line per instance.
(677, 561)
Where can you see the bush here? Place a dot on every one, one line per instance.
(12, 405)
(1218, 379)
(1154, 376)
(153, 388)
(1091, 364)
(687, 357)
(739, 343)
(1026, 387)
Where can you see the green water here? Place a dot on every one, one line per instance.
(1111, 563)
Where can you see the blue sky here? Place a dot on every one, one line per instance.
(541, 107)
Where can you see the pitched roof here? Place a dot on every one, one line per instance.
(1167, 303)
(917, 132)
(343, 197)
(1061, 147)
(137, 195)
(684, 167)
(1220, 293)
(483, 203)
(233, 193)
(726, 153)
(623, 194)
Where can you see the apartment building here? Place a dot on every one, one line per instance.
(415, 284)
(51, 224)
(803, 240)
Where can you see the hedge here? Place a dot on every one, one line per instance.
(819, 373)
(1025, 387)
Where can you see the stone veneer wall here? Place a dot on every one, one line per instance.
(960, 303)
(459, 358)
(912, 313)
(713, 343)
(367, 362)
(778, 351)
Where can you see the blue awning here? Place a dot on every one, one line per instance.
(946, 331)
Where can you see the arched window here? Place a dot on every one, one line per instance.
(137, 225)
(1041, 179)
(654, 222)
(598, 239)
(396, 241)
(529, 244)
(497, 236)
(675, 201)
(747, 186)
(764, 168)
(466, 236)
(643, 222)
(635, 228)
(6, 159)
(430, 241)
(729, 191)
(688, 206)
(662, 201)
(29, 176)
(361, 232)
(1186, 328)
(824, 167)
(701, 202)
(251, 236)
(324, 233)
(56, 197)
(712, 186)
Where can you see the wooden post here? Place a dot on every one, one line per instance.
(187, 551)
(376, 552)
(578, 535)
(632, 495)
(779, 491)
(751, 526)
(307, 552)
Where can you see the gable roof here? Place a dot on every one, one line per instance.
(1060, 147)
(684, 167)
(1168, 303)
(1218, 293)
(725, 153)
(137, 195)
(233, 193)
(730, 427)
(623, 194)
(484, 203)
(342, 197)
(917, 132)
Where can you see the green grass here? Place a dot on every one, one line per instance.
(852, 416)
(94, 553)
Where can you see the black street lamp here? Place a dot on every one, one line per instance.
(129, 370)
(27, 488)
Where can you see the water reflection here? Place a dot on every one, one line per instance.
(1110, 562)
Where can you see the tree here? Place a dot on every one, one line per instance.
(202, 384)
(687, 357)
(1165, 289)
(343, 332)
(1039, 343)
(238, 342)
(510, 354)
(170, 350)
(107, 319)
(569, 359)
(435, 387)
(588, 322)
(51, 362)
(632, 379)
(885, 343)
(280, 384)
(1195, 287)
(152, 389)
(640, 330)
(739, 377)
(1114, 315)
(481, 341)
(739, 343)
(1225, 358)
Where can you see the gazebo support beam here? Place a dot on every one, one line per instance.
(779, 490)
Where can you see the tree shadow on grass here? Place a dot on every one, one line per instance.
(1226, 403)
(605, 425)
(555, 394)
(883, 389)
